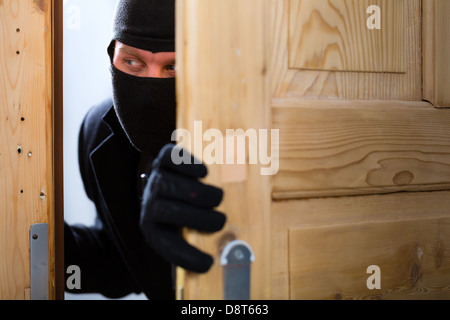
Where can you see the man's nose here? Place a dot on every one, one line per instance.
(154, 71)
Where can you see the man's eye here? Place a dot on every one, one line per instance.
(132, 63)
(170, 67)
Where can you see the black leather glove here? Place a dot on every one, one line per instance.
(173, 198)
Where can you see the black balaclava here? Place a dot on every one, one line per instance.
(146, 107)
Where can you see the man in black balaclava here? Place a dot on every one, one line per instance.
(142, 198)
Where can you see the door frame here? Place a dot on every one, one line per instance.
(58, 147)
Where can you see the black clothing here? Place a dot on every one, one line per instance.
(174, 197)
(146, 109)
(113, 256)
(147, 25)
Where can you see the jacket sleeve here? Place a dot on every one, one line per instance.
(90, 248)
(102, 270)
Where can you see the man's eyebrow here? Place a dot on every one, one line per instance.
(129, 50)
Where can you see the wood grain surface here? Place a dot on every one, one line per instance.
(350, 147)
(331, 241)
(436, 53)
(360, 151)
(333, 35)
(26, 161)
(320, 83)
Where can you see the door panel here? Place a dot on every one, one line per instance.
(292, 80)
(331, 242)
(332, 35)
(359, 149)
(333, 148)
(327, 263)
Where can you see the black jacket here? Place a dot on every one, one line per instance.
(113, 256)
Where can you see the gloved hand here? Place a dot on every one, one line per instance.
(173, 198)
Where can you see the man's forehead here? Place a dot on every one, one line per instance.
(133, 50)
(123, 48)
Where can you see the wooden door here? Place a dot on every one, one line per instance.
(364, 143)
(26, 143)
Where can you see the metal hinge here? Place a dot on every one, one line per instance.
(39, 261)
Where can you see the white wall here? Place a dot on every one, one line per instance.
(87, 32)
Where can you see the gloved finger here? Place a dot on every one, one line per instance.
(184, 215)
(189, 165)
(175, 249)
(178, 187)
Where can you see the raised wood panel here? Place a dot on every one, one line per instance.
(333, 35)
(293, 83)
(331, 262)
(26, 175)
(330, 242)
(351, 148)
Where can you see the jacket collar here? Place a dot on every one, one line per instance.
(110, 118)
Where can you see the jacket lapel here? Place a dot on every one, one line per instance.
(115, 163)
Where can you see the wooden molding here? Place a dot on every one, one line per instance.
(436, 52)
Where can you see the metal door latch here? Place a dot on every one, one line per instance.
(39, 261)
(236, 259)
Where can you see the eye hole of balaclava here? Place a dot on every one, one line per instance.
(145, 106)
